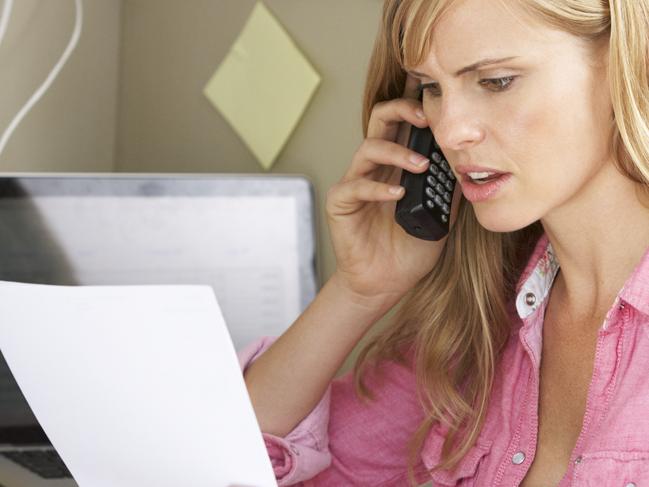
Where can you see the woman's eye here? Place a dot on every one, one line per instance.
(492, 84)
(497, 84)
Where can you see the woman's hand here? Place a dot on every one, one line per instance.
(375, 257)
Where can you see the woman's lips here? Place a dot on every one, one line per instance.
(475, 192)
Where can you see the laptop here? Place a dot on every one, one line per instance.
(250, 237)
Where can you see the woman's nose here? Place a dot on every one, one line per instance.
(458, 127)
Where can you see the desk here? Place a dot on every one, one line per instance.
(13, 475)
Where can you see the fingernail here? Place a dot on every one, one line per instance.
(420, 114)
(395, 189)
(418, 160)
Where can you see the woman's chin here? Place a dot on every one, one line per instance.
(501, 221)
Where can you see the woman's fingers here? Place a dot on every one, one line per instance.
(374, 174)
(374, 153)
(346, 197)
(410, 90)
(384, 148)
(387, 116)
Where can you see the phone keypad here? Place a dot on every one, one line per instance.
(440, 184)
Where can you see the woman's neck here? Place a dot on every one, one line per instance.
(598, 237)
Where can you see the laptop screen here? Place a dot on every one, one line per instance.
(251, 237)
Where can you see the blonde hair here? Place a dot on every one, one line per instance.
(457, 319)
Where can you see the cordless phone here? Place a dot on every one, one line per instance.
(425, 209)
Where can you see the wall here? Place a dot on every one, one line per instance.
(170, 50)
(131, 97)
(72, 128)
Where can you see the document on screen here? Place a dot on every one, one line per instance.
(134, 385)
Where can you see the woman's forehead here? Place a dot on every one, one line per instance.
(470, 31)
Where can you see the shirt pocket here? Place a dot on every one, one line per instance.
(465, 473)
(612, 469)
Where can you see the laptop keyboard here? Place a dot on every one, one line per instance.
(44, 463)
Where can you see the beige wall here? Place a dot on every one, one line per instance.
(170, 49)
(131, 97)
(72, 128)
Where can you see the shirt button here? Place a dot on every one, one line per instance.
(530, 299)
(630, 484)
(578, 460)
(518, 458)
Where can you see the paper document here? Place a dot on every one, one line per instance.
(134, 385)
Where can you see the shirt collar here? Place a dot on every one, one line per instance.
(636, 288)
(536, 280)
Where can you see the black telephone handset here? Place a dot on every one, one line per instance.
(425, 209)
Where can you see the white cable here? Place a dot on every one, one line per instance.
(50, 77)
(4, 20)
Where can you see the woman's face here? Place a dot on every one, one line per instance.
(547, 120)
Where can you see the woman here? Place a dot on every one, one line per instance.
(518, 353)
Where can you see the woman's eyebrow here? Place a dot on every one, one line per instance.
(471, 67)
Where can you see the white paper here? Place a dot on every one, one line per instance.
(135, 386)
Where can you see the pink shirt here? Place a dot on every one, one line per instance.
(344, 441)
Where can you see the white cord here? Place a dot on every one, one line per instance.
(4, 20)
(50, 77)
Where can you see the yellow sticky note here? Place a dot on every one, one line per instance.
(263, 85)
